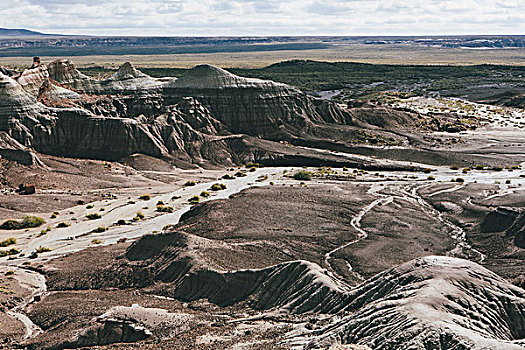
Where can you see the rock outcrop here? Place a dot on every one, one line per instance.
(252, 106)
(428, 303)
(126, 80)
(431, 303)
(198, 118)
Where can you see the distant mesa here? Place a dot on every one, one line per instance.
(21, 33)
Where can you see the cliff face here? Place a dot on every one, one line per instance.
(253, 106)
(195, 118)
(126, 80)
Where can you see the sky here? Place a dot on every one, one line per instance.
(265, 17)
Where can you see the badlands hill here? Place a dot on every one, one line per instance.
(208, 116)
(427, 303)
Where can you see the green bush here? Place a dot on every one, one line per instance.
(8, 242)
(91, 206)
(93, 216)
(145, 197)
(32, 221)
(302, 175)
(165, 209)
(194, 200)
(27, 222)
(228, 177)
(42, 249)
(121, 222)
(205, 194)
(44, 231)
(96, 241)
(63, 224)
(218, 187)
(190, 183)
(101, 229)
(11, 225)
(12, 251)
(160, 203)
(140, 215)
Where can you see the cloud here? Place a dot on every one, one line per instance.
(266, 17)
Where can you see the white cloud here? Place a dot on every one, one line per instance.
(266, 17)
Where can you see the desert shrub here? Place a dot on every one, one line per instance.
(8, 242)
(145, 197)
(140, 215)
(205, 194)
(32, 221)
(252, 169)
(90, 206)
(431, 178)
(459, 179)
(228, 177)
(218, 187)
(63, 224)
(11, 225)
(454, 167)
(497, 168)
(93, 216)
(121, 222)
(190, 183)
(53, 216)
(479, 167)
(427, 170)
(102, 209)
(44, 232)
(96, 241)
(27, 222)
(253, 165)
(507, 182)
(194, 200)
(42, 249)
(302, 175)
(101, 229)
(240, 174)
(12, 251)
(262, 178)
(160, 203)
(165, 209)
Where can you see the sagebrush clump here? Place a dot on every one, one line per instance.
(27, 222)
(302, 175)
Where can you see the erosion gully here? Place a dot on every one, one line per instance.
(80, 234)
